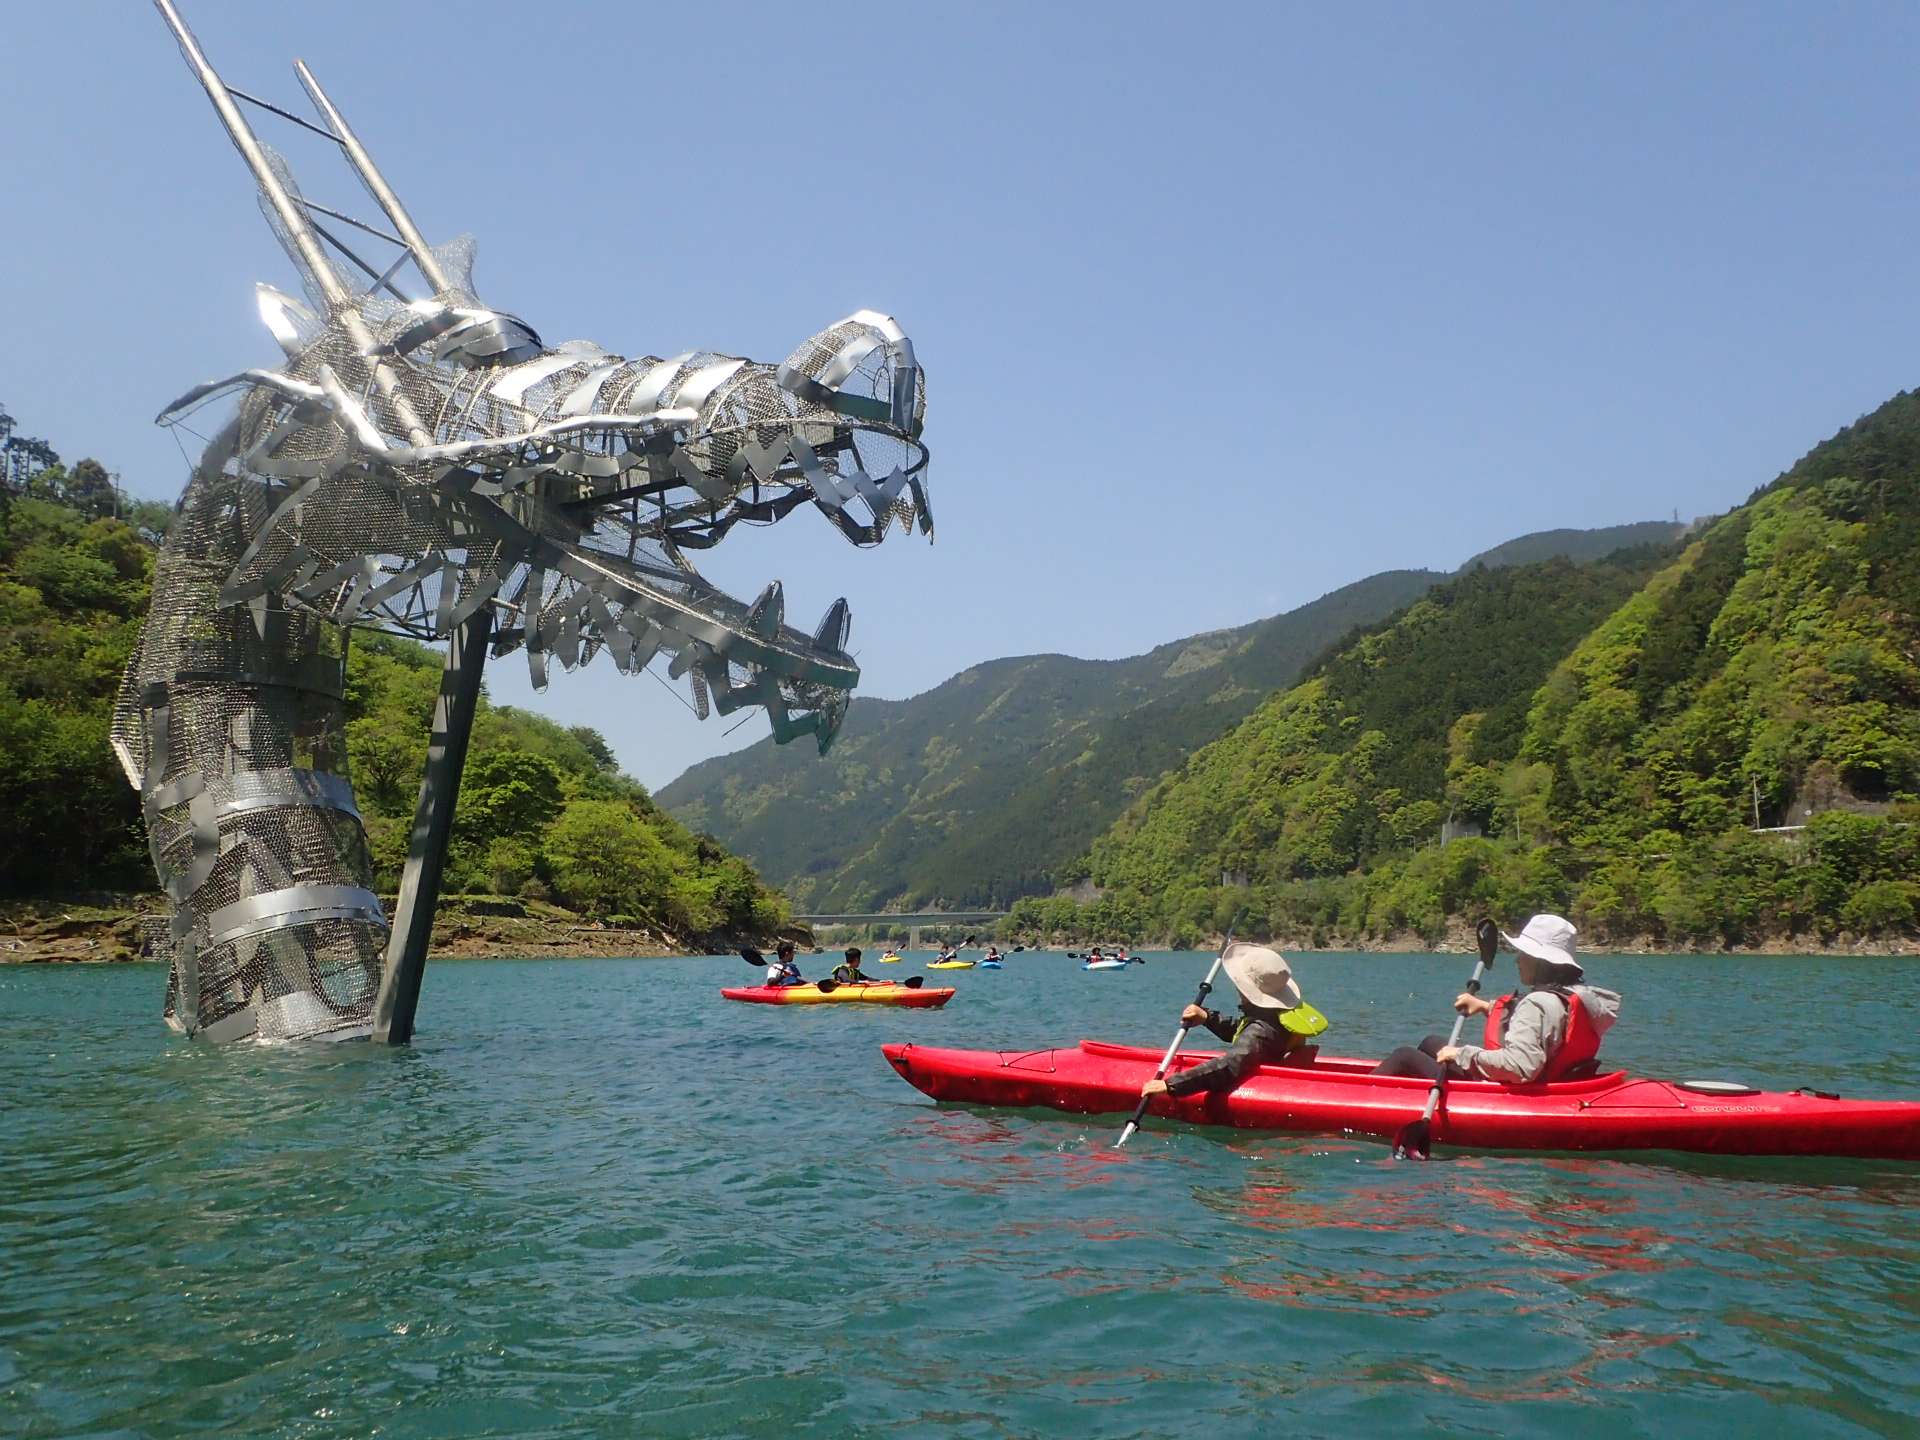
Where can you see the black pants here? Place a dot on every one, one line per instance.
(1418, 1060)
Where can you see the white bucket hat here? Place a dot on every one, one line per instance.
(1262, 976)
(1549, 940)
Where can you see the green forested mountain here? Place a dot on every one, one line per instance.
(1615, 750)
(977, 790)
(1577, 545)
(544, 811)
(985, 788)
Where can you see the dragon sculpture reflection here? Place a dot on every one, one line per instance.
(427, 464)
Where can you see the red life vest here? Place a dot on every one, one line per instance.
(1579, 1047)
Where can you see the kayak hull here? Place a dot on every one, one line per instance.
(951, 964)
(1104, 965)
(1327, 1096)
(879, 993)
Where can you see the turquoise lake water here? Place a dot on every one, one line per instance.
(595, 1199)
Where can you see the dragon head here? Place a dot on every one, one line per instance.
(411, 464)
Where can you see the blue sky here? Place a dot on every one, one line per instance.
(1221, 307)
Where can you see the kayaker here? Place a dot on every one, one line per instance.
(1274, 1021)
(993, 953)
(784, 970)
(1552, 1032)
(850, 973)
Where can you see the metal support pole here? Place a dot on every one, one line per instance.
(432, 825)
(376, 183)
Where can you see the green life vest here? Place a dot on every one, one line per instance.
(1303, 1019)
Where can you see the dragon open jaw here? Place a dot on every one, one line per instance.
(565, 489)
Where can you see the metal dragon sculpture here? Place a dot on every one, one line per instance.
(429, 466)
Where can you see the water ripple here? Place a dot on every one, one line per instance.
(594, 1200)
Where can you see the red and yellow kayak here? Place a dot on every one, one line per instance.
(877, 992)
(1328, 1096)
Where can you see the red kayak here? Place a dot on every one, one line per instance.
(1327, 1096)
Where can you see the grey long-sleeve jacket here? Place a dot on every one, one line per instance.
(1261, 1040)
(1535, 1031)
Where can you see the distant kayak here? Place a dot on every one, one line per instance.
(951, 964)
(878, 992)
(1329, 1096)
(991, 965)
(1105, 964)
(889, 959)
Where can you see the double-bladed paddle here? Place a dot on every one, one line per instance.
(1415, 1142)
(1200, 998)
(828, 985)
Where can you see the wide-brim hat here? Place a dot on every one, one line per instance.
(1262, 976)
(1548, 939)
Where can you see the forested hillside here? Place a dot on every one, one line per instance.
(1615, 749)
(979, 789)
(544, 811)
(988, 786)
(1577, 545)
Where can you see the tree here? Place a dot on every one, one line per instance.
(507, 794)
(90, 489)
(604, 860)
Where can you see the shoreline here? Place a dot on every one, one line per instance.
(102, 929)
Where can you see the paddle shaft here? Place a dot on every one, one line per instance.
(1459, 1024)
(1173, 1047)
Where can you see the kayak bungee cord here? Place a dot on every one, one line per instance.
(1200, 998)
(1416, 1140)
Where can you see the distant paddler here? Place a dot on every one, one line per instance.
(850, 972)
(1274, 1022)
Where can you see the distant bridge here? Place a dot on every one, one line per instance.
(913, 921)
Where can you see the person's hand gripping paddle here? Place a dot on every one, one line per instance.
(1415, 1142)
(1200, 999)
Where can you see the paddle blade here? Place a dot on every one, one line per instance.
(914, 982)
(1488, 934)
(826, 985)
(752, 956)
(1415, 1142)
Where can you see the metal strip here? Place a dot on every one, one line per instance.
(514, 384)
(271, 910)
(580, 402)
(847, 360)
(252, 790)
(646, 394)
(316, 674)
(693, 392)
